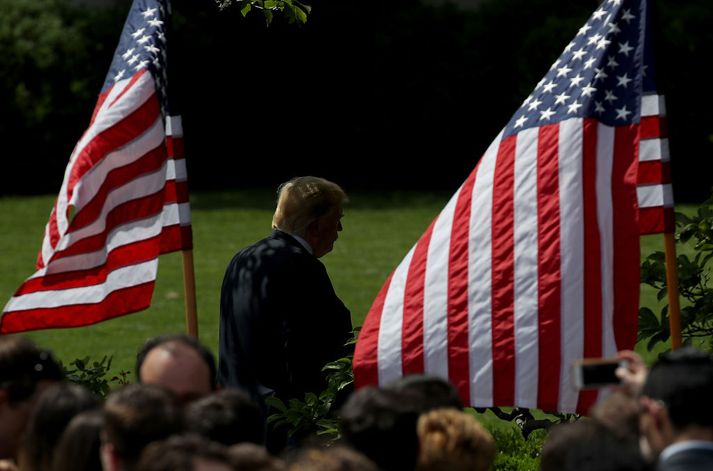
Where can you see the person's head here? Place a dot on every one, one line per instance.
(676, 399)
(227, 416)
(381, 423)
(55, 407)
(179, 363)
(25, 370)
(184, 453)
(335, 458)
(435, 392)
(452, 440)
(78, 447)
(619, 412)
(135, 416)
(310, 207)
(586, 445)
(252, 457)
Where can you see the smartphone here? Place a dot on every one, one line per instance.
(590, 373)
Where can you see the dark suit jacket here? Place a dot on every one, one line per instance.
(280, 320)
(691, 459)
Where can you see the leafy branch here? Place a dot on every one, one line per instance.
(694, 276)
(294, 10)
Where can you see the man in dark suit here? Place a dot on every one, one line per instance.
(280, 319)
(677, 411)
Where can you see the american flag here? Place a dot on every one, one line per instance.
(124, 198)
(534, 261)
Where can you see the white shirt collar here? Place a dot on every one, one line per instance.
(303, 242)
(682, 446)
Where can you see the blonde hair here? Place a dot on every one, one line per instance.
(303, 200)
(453, 440)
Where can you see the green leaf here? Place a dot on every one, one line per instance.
(276, 403)
(245, 9)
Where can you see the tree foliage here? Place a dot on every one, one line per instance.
(694, 280)
(293, 10)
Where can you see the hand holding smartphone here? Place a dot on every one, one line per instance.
(590, 373)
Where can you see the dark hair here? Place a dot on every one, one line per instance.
(56, 406)
(435, 392)
(183, 339)
(177, 453)
(683, 381)
(78, 447)
(227, 416)
(586, 445)
(335, 458)
(23, 365)
(137, 415)
(252, 457)
(381, 423)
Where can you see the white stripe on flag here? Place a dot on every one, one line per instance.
(176, 170)
(653, 105)
(124, 277)
(654, 149)
(605, 207)
(143, 186)
(435, 295)
(655, 195)
(174, 126)
(390, 330)
(91, 182)
(111, 114)
(571, 256)
(135, 231)
(480, 280)
(525, 269)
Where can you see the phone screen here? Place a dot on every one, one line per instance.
(599, 374)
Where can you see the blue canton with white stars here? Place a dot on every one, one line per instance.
(598, 75)
(142, 46)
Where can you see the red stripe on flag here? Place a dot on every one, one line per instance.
(654, 171)
(549, 263)
(656, 219)
(118, 177)
(412, 329)
(118, 303)
(176, 191)
(133, 210)
(653, 127)
(458, 347)
(132, 81)
(592, 301)
(366, 353)
(125, 255)
(176, 237)
(503, 275)
(175, 147)
(53, 230)
(626, 237)
(129, 128)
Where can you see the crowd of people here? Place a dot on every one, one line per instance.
(175, 416)
(280, 323)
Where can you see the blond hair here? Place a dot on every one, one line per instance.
(453, 440)
(303, 200)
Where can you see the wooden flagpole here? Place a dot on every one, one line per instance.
(189, 290)
(674, 308)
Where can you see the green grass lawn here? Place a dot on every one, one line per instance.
(378, 231)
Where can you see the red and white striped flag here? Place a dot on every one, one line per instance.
(534, 262)
(124, 198)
